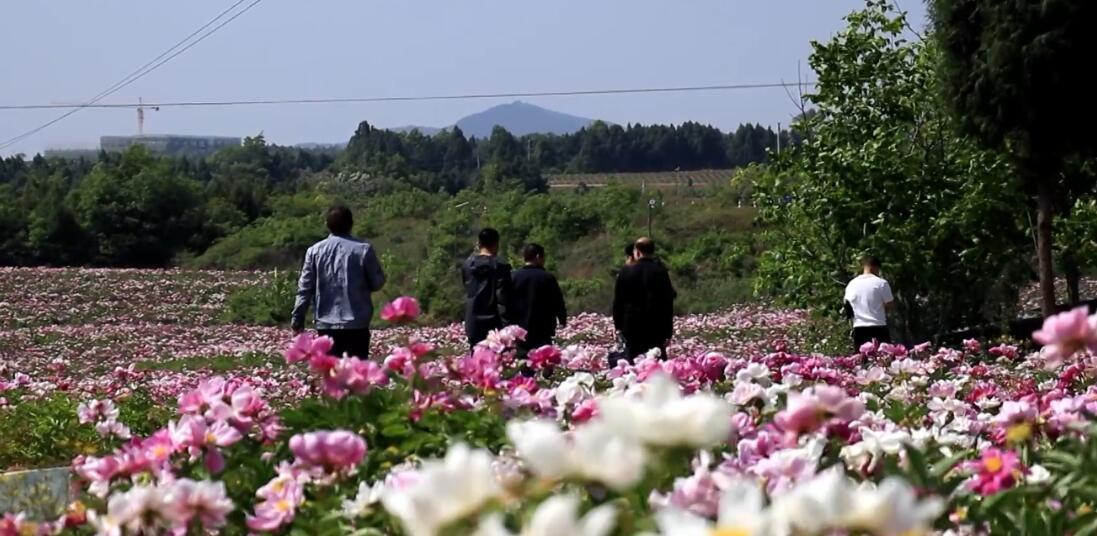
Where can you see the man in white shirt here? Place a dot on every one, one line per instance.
(868, 297)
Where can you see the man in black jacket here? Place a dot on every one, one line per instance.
(538, 301)
(488, 289)
(643, 302)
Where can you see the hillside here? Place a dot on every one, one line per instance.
(521, 118)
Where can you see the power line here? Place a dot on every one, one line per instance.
(143, 71)
(468, 96)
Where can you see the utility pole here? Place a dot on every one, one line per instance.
(651, 208)
(778, 139)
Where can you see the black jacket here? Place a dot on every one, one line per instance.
(643, 301)
(488, 290)
(538, 304)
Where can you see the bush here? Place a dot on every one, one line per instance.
(265, 305)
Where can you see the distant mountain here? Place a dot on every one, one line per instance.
(521, 118)
(426, 131)
(518, 117)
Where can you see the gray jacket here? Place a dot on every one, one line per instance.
(337, 278)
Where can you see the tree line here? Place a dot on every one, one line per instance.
(140, 209)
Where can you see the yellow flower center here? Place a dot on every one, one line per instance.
(1019, 433)
(159, 451)
(993, 464)
(28, 529)
(210, 438)
(729, 531)
(282, 506)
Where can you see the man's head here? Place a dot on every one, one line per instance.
(630, 253)
(340, 220)
(645, 248)
(534, 254)
(489, 240)
(870, 265)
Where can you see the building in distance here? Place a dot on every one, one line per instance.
(169, 144)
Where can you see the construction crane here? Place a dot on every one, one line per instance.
(141, 115)
(140, 112)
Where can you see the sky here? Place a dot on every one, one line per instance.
(66, 51)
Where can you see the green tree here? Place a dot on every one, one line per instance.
(884, 171)
(137, 212)
(1013, 71)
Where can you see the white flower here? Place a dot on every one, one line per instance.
(593, 452)
(892, 508)
(741, 512)
(663, 417)
(556, 516)
(1037, 474)
(832, 502)
(874, 444)
(756, 373)
(576, 389)
(445, 491)
(363, 503)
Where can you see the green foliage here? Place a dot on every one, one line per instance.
(884, 171)
(137, 212)
(263, 305)
(45, 432)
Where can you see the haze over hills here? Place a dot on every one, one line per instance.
(520, 118)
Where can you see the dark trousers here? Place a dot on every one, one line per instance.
(640, 343)
(353, 342)
(865, 334)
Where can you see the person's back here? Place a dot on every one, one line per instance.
(869, 296)
(487, 289)
(538, 303)
(338, 276)
(643, 305)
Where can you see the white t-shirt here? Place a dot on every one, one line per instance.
(867, 294)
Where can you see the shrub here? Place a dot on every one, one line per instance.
(269, 304)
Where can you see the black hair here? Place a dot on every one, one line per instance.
(340, 220)
(630, 250)
(532, 251)
(870, 261)
(645, 246)
(488, 238)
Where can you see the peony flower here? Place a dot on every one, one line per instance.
(994, 471)
(741, 512)
(558, 515)
(663, 417)
(593, 452)
(338, 451)
(305, 346)
(445, 491)
(1065, 334)
(207, 502)
(544, 357)
(401, 310)
(363, 503)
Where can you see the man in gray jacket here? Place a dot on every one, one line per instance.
(338, 276)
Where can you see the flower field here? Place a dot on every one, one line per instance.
(176, 423)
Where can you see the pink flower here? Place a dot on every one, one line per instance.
(972, 346)
(995, 471)
(807, 411)
(271, 514)
(205, 501)
(305, 346)
(1065, 334)
(335, 451)
(401, 310)
(354, 375)
(545, 356)
(1004, 350)
(401, 361)
(585, 411)
(868, 348)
